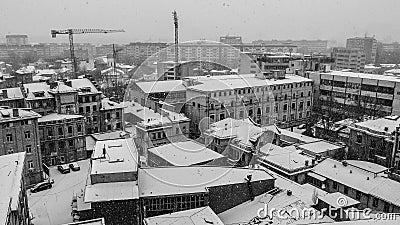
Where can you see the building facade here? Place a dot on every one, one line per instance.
(20, 133)
(16, 39)
(349, 59)
(366, 44)
(62, 138)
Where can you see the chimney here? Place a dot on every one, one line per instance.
(68, 83)
(104, 151)
(5, 95)
(306, 162)
(15, 112)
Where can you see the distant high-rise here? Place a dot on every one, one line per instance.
(304, 46)
(349, 58)
(17, 39)
(231, 40)
(367, 44)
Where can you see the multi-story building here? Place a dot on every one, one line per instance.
(13, 198)
(391, 47)
(366, 44)
(349, 59)
(373, 140)
(357, 93)
(17, 39)
(155, 127)
(38, 98)
(62, 138)
(111, 116)
(239, 140)
(12, 97)
(360, 180)
(303, 46)
(286, 100)
(89, 103)
(20, 133)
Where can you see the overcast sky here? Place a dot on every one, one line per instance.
(149, 20)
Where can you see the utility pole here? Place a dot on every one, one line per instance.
(175, 15)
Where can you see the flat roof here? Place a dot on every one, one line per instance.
(161, 86)
(12, 93)
(121, 156)
(230, 82)
(376, 185)
(192, 179)
(6, 114)
(383, 126)
(332, 199)
(197, 216)
(11, 170)
(108, 105)
(362, 75)
(271, 154)
(300, 137)
(114, 191)
(185, 153)
(319, 147)
(78, 84)
(57, 117)
(368, 166)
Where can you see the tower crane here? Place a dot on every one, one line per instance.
(70, 33)
(175, 16)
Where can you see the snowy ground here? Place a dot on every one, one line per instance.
(53, 206)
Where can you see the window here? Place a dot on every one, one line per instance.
(301, 94)
(62, 159)
(93, 98)
(309, 93)
(117, 115)
(293, 105)
(108, 127)
(94, 118)
(118, 125)
(308, 103)
(359, 138)
(9, 137)
(81, 110)
(241, 114)
(300, 115)
(50, 132)
(87, 109)
(108, 116)
(221, 116)
(212, 117)
(285, 107)
(60, 131)
(373, 144)
(177, 130)
(375, 202)
(346, 190)
(79, 128)
(10, 151)
(28, 149)
(94, 108)
(334, 185)
(30, 164)
(27, 134)
(284, 118)
(250, 112)
(70, 129)
(386, 207)
(358, 195)
(71, 143)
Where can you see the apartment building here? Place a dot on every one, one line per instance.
(20, 133)
(373, 140)
(357, 93)
(12, 97)
(17, 39)
(266, 99)
(62, 138)
(231, 40)
(360, 180)
(13, 198)
(303, 46)
(111, 116)
(366, 44)
(349, 59)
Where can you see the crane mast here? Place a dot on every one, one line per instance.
(175, 15)
(71, 33)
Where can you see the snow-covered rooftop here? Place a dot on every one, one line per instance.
(363, 75)
(11, 180)
(319, 147)
(114, 191)
(192, 179)
(185, 153)
(82, 84)
(299, 137)
(56, 117)
(37, 91)
(197, 216)
(332, 200)
(161, 86)
(12, 93)
(367, 182)
(120, 156)
(7, 114)
(382, 126)
(106, 104)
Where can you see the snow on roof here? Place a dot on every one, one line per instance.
(197, 216)
(12, 93)
(279, 157)
(360, 179)
(368, 166)
(57, 117)
(363, 75)
(247, 211)
(83, 83)
(319, 147)
(230, 82)
(185, 153)
(180, 180)
(7, 114)
(121, 156)
(33, 88)
(109, 105)
(332, 200)
(39, 78)
(11, 172)
(109, 135)
(102, 192)
(301, 138)
(62, 88)
(161, 86)
(97, 221)
(382, 126)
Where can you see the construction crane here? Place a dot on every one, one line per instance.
(175, 15)
(70, 33)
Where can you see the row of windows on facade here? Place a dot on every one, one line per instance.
(375, 149)
(16, 124)
(357, 97)
(358, 86)
(60, 130)
(86, 99)
(9, 137)
(259, 89)
(62, 145)
(175, 203)
(161, 134)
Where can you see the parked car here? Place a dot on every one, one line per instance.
(63, 169)
(301, 126)
(41, 186)
(74, 166)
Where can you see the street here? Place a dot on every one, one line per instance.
(53, 206)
